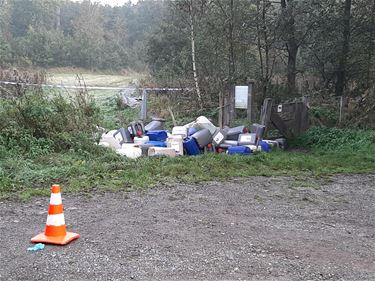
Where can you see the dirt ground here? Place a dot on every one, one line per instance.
(245, 229)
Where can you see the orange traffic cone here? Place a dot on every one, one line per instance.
(55, 232)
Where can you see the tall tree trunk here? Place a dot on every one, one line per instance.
(263, 58)
(232, 68)
(192, 38)
(291, 43)
(371, 48)
(340, 83)
(58, 18)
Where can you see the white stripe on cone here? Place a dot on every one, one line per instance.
(55, 199)
(56, 220)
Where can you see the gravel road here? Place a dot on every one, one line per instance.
(258, 228)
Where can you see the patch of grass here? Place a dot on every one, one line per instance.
(112, 172)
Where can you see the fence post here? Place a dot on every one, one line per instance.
(143, 116)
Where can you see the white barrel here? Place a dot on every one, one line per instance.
(167, 151)
(180, 131)
(130, 151)
(177, 143)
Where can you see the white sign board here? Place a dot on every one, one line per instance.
(241, 97)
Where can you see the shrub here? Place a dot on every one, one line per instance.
(320, 138)
(39, 123)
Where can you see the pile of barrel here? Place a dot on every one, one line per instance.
(198, 137)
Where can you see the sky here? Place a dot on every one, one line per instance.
(112, 2)
(115, 2)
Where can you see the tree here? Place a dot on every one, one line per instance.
(340, 83)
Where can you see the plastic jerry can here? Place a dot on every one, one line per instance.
(191, 147)
(220, 136)
(273, 144)
(282, 143)
(177, 143)
(234, 133)
(157, 143)
(108, 140)
(137, 128)
(203, 137)
(158, 135)
(224, 146)
(144, 148)
(239, 150)
(130, 151)
(192, 131)
(123, 136)
(180, 131)
(245, 139)
(265, 146)
(230, 143)
(167, 151)
(203, 123)
(155, 124)
(141, 140)
(258, 130)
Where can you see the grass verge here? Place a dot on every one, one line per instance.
(24, 178)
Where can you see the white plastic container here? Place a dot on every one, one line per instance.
(247, 139)
(177, 143)
(108, 140)
(130, 151)
(254, 147)
(203, 123)
(167, 151)
(219, 136)
(180, 131)
(141, 140)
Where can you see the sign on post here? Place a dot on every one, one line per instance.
(241, 97)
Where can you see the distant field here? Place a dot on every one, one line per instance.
(68, 77)
(112, 117)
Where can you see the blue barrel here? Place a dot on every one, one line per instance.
(157, 143)
(265, 146)
(157, 135)
(240, 150)
(192, 131)
(191, 147)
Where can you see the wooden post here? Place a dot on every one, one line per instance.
(265, 115)
(250, 102)
(226, 112)
(221, 110)
(297, 118)
(143, 116)
(341, 105)
(232, 103)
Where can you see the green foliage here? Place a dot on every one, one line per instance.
(53, 33)
(37, 123)
(337, 140)
(326, 114)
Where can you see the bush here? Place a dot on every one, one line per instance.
(38, 123)
(335, 139)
